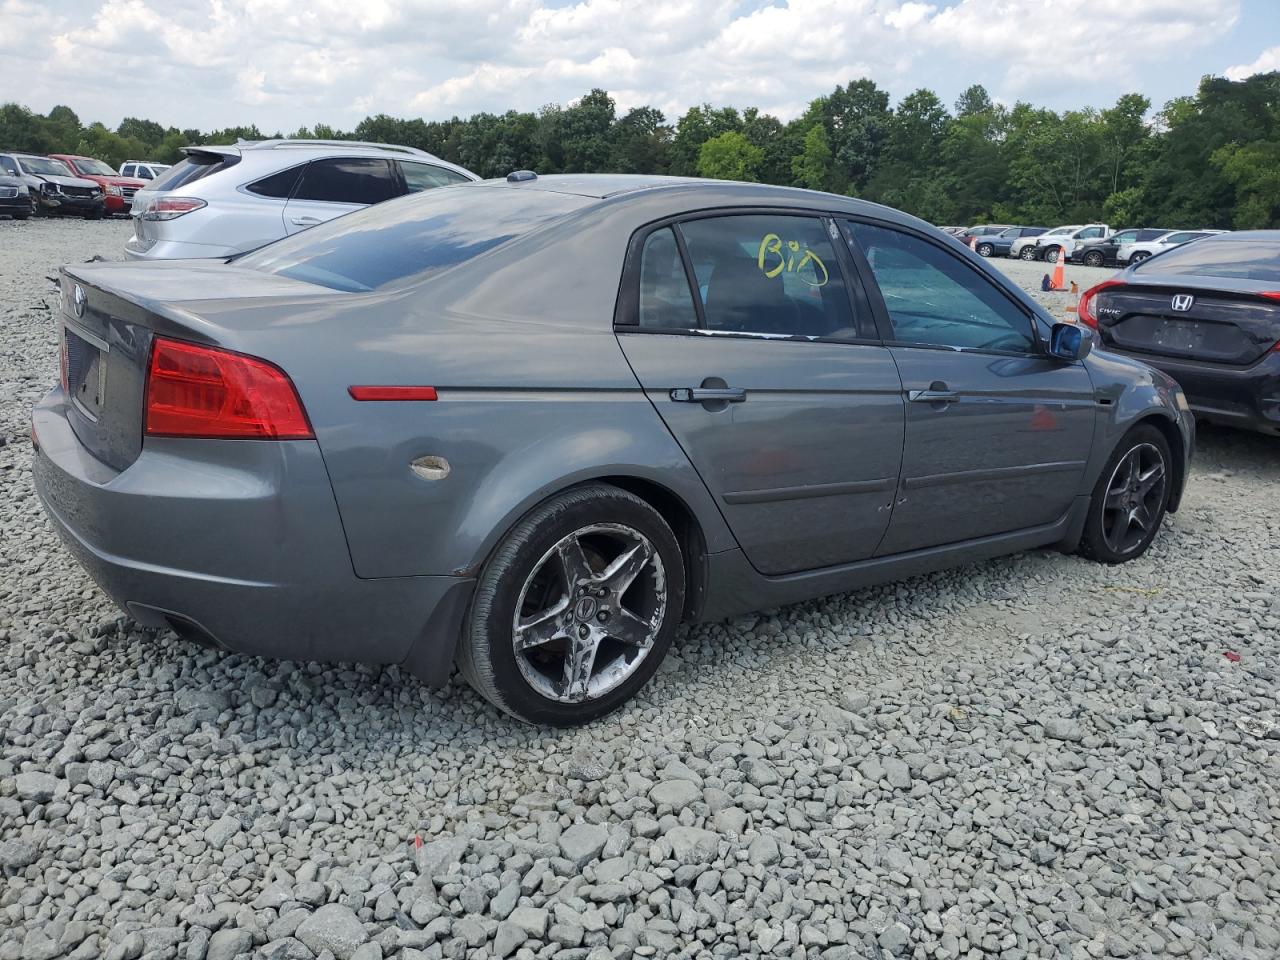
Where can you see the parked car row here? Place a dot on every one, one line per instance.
(60, 184)
(1093, 244)
(43, 186)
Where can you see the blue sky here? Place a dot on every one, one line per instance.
(288, 63)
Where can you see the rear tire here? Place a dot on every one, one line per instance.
(1094, 259)
(1130, 498)
(558, 634)
(985, 249)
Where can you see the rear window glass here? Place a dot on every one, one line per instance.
(410, 236)
(1236, 259)
(195, 167)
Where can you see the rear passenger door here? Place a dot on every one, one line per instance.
(997, 432)
(760, 353)
(336, 185)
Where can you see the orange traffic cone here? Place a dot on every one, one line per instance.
(1059, 281)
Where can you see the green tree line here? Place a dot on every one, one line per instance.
(1207, 160)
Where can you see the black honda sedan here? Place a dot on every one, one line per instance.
(1208, 314)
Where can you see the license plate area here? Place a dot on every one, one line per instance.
(86, 366)
(1183, 336)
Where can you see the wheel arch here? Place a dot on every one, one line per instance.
(1177, 450)
(672, 504)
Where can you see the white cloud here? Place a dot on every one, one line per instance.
(1268, 60)
(286, 63)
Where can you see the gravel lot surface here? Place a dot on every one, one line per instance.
(1034, 757)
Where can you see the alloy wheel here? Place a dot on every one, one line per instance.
(1134, 494)
(589, 612)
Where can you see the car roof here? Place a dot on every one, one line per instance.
(624, 187)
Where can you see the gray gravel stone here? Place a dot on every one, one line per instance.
(582, 843)
(335, 928)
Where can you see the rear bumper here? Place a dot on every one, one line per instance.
(137, 249)
(1243, 397)
(240, 542)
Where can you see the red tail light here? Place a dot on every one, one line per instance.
(1085, 310)
(195, 391)
(1271, 294)
(169, 208)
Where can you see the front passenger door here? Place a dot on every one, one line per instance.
(997, 432)
(337, 185)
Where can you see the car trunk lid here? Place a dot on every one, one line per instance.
(109, 314)
(1188, 321)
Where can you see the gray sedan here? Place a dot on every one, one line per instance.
(529, 426)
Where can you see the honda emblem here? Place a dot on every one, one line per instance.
(1182, 302)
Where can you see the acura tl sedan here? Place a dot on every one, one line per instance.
(529, 426)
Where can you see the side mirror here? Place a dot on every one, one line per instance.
(1070, 342)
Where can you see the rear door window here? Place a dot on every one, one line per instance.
(936, 299)
(278, 186)
(666, 301)
(427, 176)
(364, 180)
(768, 274)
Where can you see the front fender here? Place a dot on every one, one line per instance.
(1129, 392)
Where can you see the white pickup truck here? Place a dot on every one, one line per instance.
(1049, 246)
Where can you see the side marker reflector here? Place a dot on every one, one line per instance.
(392, 393)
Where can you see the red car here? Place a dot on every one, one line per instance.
(117, 190)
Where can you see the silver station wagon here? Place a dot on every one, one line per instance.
(529, 426)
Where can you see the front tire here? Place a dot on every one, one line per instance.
(1130, 498)
(985, 249)
(1094, 259)
(1051, 254)
(1027, 253)
(1138, 256)
(576, 608)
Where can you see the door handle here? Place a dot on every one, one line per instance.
(938, 392)
(708, 394)
(304, 221)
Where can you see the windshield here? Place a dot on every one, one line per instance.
(1058, 231)
(45, 167)
(95, 167)
(412, 236)
(1237, 258)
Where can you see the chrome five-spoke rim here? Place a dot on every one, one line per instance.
(1134, 494)
(589, 613)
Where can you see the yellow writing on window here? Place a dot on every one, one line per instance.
(775, 257)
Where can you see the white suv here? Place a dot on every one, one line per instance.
(1137, 252)
(221, 201)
